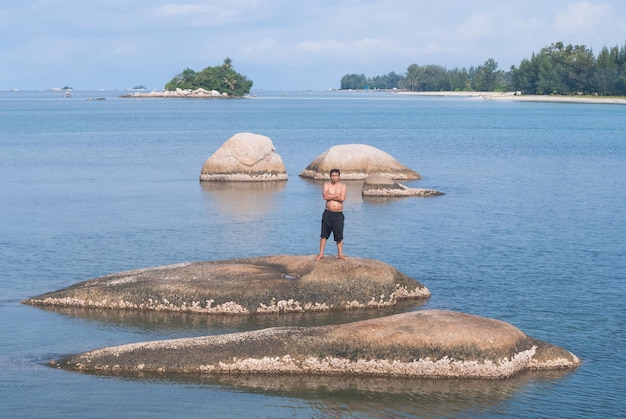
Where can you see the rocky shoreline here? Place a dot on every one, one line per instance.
(179, 93)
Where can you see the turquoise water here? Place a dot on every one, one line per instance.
(531, 231)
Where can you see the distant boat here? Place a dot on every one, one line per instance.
(67, 94)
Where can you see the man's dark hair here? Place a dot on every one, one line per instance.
(335, 171)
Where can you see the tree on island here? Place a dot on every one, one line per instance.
(428, 78)
(572, 69)
(222, 78)
(556, 69)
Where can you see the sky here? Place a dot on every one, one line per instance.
(282, 44)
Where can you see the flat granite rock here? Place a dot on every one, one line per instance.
(427, 343)
(384, 186)
(269, 284)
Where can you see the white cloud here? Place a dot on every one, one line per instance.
(478, 25)
(304, 41)
(208, 13)
(126, 47)
(355, 47)
(169, 10)
(529, 24)
(582, 16)
(319, 46)
(54, 50)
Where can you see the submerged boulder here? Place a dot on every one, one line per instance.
(269, 284)
(416, 344)
(244, 157)
(383, 186)
(357, 161)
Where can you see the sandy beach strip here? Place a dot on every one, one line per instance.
(522, 98)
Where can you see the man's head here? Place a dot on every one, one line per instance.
(334, 175)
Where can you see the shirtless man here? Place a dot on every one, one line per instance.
(334, 194)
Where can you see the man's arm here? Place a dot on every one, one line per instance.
(342, 193)
(326, 192)
(339, 197)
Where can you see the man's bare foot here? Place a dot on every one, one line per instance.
(319, 257)
(342, 257)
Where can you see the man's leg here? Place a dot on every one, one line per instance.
(322, 246)
(340, 250)
(338, 234)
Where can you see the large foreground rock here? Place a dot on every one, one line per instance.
(414, 344)
(383, 186)
(245, 157)
(270, 284)
(357, 161)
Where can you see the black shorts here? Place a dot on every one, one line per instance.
(332, 222)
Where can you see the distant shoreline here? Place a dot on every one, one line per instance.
(522, 98)
(178, 93)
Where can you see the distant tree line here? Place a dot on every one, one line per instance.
(432, 77)
(222, 78)
(556, 69)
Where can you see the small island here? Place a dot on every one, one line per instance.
(221, 81)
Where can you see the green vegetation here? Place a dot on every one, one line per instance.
(556, 69)
(222, 78)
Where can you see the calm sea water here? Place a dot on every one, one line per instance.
(531, 231)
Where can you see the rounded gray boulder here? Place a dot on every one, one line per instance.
(356, 162)
(245, 157)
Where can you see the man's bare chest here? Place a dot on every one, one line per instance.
(334, 189)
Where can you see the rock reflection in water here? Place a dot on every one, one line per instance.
(243, 200)
(160, 325)
(339, 396)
